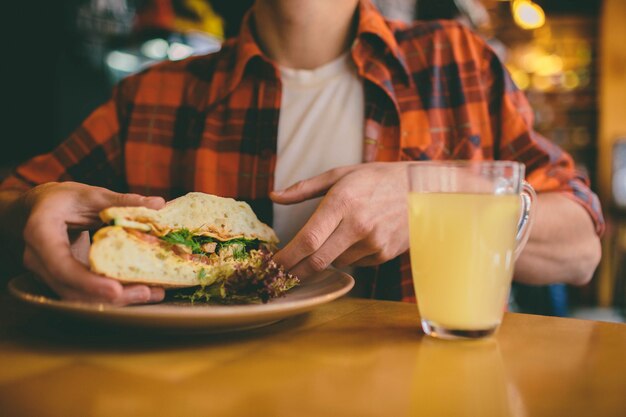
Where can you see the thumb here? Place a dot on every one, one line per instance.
(310, 188)
(109, 198)
(129, 200)
(79, 205)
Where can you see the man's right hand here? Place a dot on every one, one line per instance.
(57, 241)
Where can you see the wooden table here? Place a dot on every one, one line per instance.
(351, 357)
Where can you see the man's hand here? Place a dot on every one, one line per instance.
(57, 241)
(361, 221)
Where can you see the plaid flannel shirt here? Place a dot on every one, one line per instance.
(433, 91)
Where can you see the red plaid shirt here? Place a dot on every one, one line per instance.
(433, 90)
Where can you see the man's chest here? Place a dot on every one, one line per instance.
(230, 148)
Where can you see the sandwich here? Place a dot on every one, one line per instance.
(215, 244)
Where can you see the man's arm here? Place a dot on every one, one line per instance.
(563, 244)
(362, 221)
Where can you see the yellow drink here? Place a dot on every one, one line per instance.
(462, 256)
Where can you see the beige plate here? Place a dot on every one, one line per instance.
(183, 317)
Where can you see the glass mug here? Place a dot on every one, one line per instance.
(468, 223)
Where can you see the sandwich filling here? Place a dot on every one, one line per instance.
(237, 270)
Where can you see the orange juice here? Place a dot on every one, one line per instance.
(462, 256)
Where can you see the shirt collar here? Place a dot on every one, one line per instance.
(241, 51)
(371, 23)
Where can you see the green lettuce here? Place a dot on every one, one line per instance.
(255, 281)
(240, 247)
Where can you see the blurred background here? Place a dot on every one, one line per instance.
(63, 57)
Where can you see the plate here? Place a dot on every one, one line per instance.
(180, 316)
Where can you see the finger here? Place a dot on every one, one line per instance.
(34, 265)
(83, 211)
(110, 198)
(369, 254)
(139, 294)
(354, 254)
(78, 283)
(371, 260)
(156, 295)
(133, 294)
(67, 276)
(153, 202)
(338, 242)
(98, 290)
(95, 288)
(312, 236)
(311, 188)
(60, 287)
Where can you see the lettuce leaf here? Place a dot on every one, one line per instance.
(239, 246)
(257, 281)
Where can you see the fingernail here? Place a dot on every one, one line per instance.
(154, 201)
(156, 295)
(278, 192)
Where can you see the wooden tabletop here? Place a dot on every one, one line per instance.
(351, 357)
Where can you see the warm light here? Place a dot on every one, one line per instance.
(528, 15)
(583, 54)
(571, 80)
(541, 83)
(530, 58)
(549, 65)
(521, 79)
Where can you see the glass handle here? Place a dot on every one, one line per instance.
(529, 197)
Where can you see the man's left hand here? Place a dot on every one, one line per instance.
(362, 219)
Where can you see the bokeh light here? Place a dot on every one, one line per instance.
(528, 15)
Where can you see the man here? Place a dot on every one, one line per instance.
(324, 94)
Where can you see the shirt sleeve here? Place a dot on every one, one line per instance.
(92, 154)
(548, 167)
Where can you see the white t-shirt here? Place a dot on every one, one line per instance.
(320, 128)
